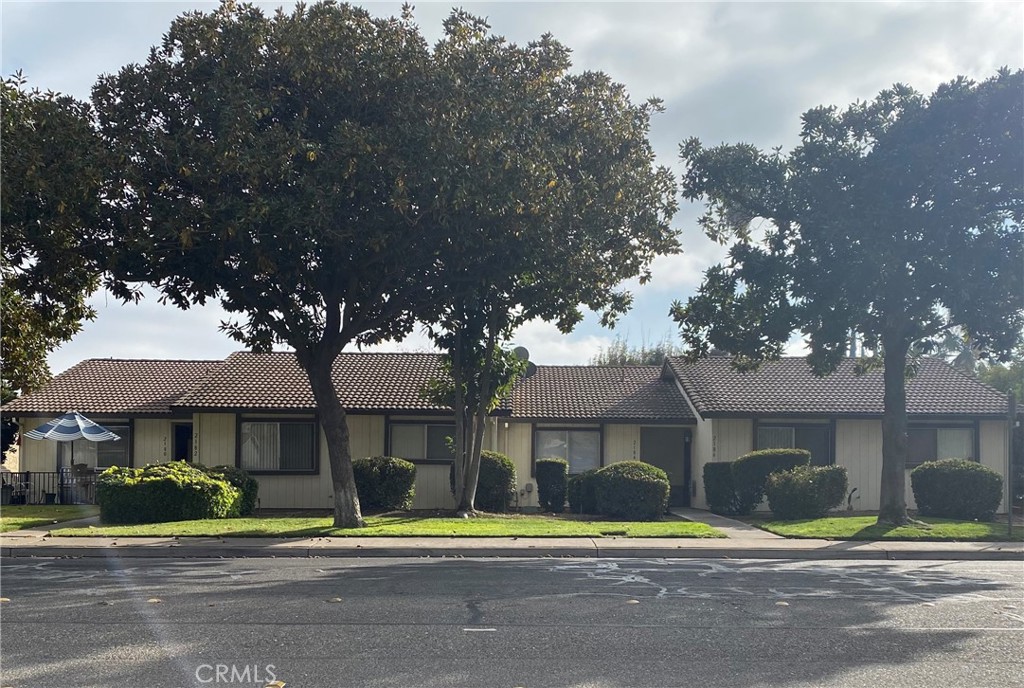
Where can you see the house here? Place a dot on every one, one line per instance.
(257, 411)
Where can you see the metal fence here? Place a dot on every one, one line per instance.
(57, 487)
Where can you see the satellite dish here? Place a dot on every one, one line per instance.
(531, 368)
(522, 353)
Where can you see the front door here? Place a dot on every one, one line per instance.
(182, 445)
(669, 449)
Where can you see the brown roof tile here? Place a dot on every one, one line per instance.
(590, 393)
(104, 386)
(788, 387)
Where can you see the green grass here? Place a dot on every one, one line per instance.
(406, 525)
(19, 517)
(867, 528)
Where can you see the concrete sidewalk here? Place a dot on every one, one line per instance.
(42, 545)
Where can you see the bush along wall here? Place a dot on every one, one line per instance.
(496, 487)
(385, 483)
(246, 484)
(806, 491)
(719, 489)
(175, 491)
(552, 484)
(632, 490)
(956, 488)
(750, 473)
(582, 492)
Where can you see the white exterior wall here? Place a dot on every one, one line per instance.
(151, 440)
(36, 455)
(515, 440)
(621, 443)
(859, 450)
(995, 450)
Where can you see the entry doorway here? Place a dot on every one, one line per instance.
(181, 445)
(668, 448)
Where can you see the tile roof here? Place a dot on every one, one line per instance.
(788, 387)
(106, 386)
(274, 381)
(590, 393)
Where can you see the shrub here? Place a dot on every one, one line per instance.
(806, 491)
(582, 492)
(956, 488)
(632, 490)
(750, 473)
(552, 484)
(497, 485)
(385, 482)
(175, 491)
(719, 489)
(246, 484)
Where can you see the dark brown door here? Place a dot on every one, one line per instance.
(669, 450)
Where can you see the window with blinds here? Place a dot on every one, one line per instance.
(278, 446)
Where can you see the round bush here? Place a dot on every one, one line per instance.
(719, 489)
(552, 484)
(175, 491)
(582, 492)
(246, 484)
(750, 473)
(496, 488)
(385, 482)
(956, 488)
(632, 490)
(806, 491)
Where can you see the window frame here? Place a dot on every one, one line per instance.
(599, 429)
(315, 422)
(424, 424)
(828, 426)
(934, 426)
(129, 423)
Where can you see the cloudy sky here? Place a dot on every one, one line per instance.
(727, 72)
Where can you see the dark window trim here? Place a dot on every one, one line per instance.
(827, 423)
(389, 423)
(278, 419)
(973, 425)
(534, 427)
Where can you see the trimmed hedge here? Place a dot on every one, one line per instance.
(632, 490)
(552, 484)
(750, 473)
(385, 482)
(956, 488)
(719, 489)
(806, 491)
(582, 492)
(246, 484)
(175, 491)
(496, 488)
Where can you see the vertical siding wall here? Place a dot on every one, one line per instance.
(995, 450)
(515, 440)
(859, 450)
(152, 441)
(36, 455)
(621, 443)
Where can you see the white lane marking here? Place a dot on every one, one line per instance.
(479, 630)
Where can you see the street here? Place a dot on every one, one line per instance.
(525, 622)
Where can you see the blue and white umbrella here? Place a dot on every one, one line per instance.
(70, 427)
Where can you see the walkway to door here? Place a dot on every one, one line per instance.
(730, 526)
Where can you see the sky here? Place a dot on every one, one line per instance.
(727, 72)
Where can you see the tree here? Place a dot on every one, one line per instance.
(265, 161)
(52, 175)
(551, 198)
(620, 353)
(897, 219)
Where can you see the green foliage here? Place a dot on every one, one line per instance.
(175, 491)
(956, 488)
(247, 485)
(385, 482)
(632, 490)
(497, 486)
(750, 473)
(620, 353)
(1006, 378)
(582, 492)
(719, 489)
(897, 219)
(552, 484)
(51, 174)
(806, 491)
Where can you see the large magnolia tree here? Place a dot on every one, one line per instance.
(898, 219)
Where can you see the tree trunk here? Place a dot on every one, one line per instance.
(464, 504)
(893, 503)
(332, 419)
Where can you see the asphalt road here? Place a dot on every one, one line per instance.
(507, 623)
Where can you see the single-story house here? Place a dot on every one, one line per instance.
(257, 411)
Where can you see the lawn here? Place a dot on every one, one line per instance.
(866, 528)
(19, 517)
(407, 525)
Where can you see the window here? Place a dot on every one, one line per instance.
(581, 448)
(816, 439)
(278, 446)
(99, 455)
(929, 444)
(422, 442)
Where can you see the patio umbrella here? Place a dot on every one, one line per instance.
(70, 427)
